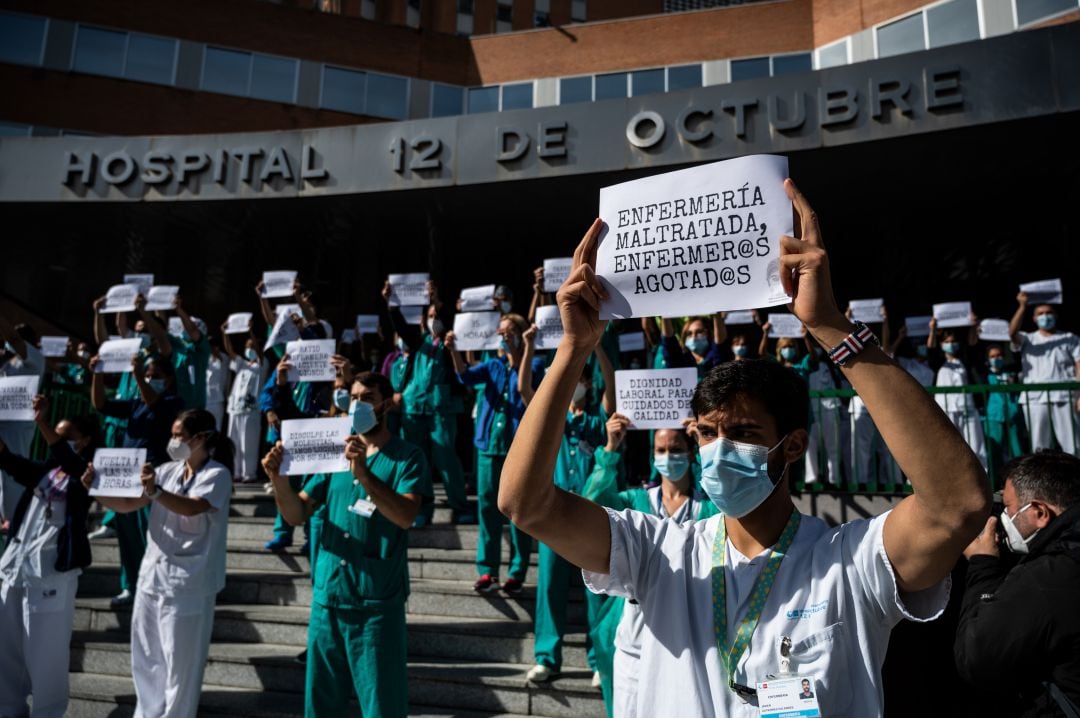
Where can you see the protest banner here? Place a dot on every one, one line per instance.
(238, 323)
(733, 319)
(655, 398)
(118, 472)
(142, 281)
(283, 331)
(348, 336)
(408, 290)
(367, 323)
(632, 342)
(785, 326)
(114, 356)
(310, 359)
(17, 397)
(120, 298)
(867, 311)
(549, 327)
(1046, 291)
(917, 327)
(478, 299)
(694, 241)
(994, 330)
(278, 283)
(161, 298)
(314, 446)
(474, 331)
(54, 346)
(556, 270)
(952, 314)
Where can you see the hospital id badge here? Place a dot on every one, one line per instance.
(788, 697)
(362, 507)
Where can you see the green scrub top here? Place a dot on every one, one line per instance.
(582, 436)
(397, 372)
(363, 562)
(1002, 407)
(433, 375)
(190, 360)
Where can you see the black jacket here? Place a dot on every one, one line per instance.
(1020, 628)
(73, 549)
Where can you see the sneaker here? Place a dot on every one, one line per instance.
(512, 587)
(486, 584)
(465, 518)
(420, 521)
(596, 679)
(540, 674)
(102, 532)
(301, 657)
(251, 480)
(278, 543)
(124, 598)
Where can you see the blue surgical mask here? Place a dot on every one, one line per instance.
(672, 466)
(341, 399)
(950, 348)
(1046, 321)
(363, 417)
(736, 475)
(996, 364)
(789, 353)
(740, 350)
(158, 385)
(922, 351)
(698, 345)
(251, 354)
(505, 307)
(506, 346)
(72, 444)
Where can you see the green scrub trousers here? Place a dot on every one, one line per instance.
(283, 527)
(489, 547)
(436, 435)
(130, 531)
(551, 593)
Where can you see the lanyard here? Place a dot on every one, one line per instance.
(730, 655)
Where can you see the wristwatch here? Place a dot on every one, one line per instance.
(853, 343)
(153, 494)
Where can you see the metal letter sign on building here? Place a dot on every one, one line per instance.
(941, 89)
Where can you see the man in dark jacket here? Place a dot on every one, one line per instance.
(1019, 632)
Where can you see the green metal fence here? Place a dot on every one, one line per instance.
(65, 401)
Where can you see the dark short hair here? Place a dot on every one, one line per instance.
(89, 427)
(375, 380)
(1047, 475)
(780, 389)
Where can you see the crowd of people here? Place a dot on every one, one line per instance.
(699, 529)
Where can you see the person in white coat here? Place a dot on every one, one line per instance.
(217, 382)
(960, 408)
(245, 420)
(18, 357)
(183, 568)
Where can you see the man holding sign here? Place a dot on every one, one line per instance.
(750, 425)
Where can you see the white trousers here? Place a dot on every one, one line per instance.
(17, 436)
(170, 640)
(970, 426)
(868, 443)
(624, 685)
(825, 449)
(218, 410)
(1059, 417)
(35, 626)
(244, 432)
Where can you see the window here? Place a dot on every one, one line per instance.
(577, 11)
(412, 13)
(226, 71)
(611, 86)
(542, 13)
(387, 96)
(575, 89)
(518, 96)
(749, 69)
(22, 38)
(367, 9)
(343, 90)
(789, 64)
(150, 59)
(100, 52)
(465, 24)
(504, 16)
(484, 99)
(446, 100)
(647, 82)
(832, 55)
(1032, 10)
(683, 77)
(901, 36)
(273, 78)
(956, 21)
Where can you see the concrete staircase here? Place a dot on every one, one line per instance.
(468, 653)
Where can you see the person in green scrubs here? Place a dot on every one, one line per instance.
(189, 354)
(1005, 427)
(356, 638)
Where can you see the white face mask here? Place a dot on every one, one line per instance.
(435, 326)
(1017, 542)
(178, 449)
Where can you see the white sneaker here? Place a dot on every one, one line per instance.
(101, 532)
(540, 674)
(124, 598)
(596, 679)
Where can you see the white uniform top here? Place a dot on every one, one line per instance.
(822, 378)
(186, 554)
(954, 373)
(244, 396)
(217, 379)
(835, 596)
(1047, 358)
(918, 369)
(30, 559)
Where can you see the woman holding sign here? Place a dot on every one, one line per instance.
(40, 567)
(184, 565)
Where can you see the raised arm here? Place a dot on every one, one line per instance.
(97, 385)
(264, 305)
(1017, 320)
(192, 329)
(226, 341)
(101, 332)
(763, 345)
(719, 328)
(525, 372)
(156, 329)
(607, 370)
(538, 293)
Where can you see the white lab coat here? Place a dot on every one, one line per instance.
(1048, 358)
(17, 435)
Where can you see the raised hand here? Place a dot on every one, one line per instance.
(41, 408)
(805, 268)
(271, 463)
(149, 478)
(580, 295)
(617, 426)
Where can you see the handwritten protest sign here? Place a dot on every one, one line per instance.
(994, 330)
(314, 446)
(114, 356)
(142, 281)
(698, 240)
(310, 359)
(407, 290)
(739, 318)
(549, 326)
(474, 331)
(118, 472)
(238, 323)
(918, 326)
(785, 326)
(632, 342)
(54, 346)
(867, 311)
(556, 270)
(1047, 291)
(477, 299)
(367, 323)
(283, 331)
(655, 398)
(17, 397)
(952, 314)
(278, 283)
(120, 298)
(161, 298)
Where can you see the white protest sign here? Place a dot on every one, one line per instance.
(407, 290)
(478, 299)
(367, 323)
(289, 309)
(918, 326)
(161, 298)
(142, 281)
(655, 398)
(114, 356)
(314, 446)
(474, 331)
(785, 326)
(310, 359)
(348, 336)
(556, 270)
(284, 330)
(632, 342)
(413, 313)
(994, 330)
(54, 346)
(867, 311)
(703, 239)
(1047, 291)
(739, 318)
(17, 396)
(118, 472)
(238, 323)
(952, 314)
(176, 327)
(120, 298)
(549, 325)
(278, 284)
